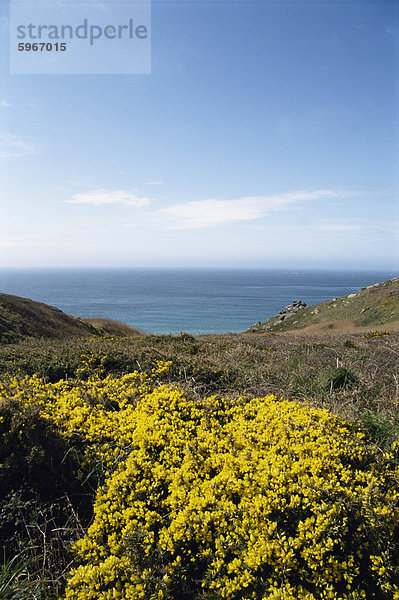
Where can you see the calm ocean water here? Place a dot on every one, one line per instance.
(170, 301)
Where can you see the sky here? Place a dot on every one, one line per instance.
(265, 136)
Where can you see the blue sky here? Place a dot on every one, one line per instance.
(266, 135)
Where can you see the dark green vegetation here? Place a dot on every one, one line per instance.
(45, 507)
(370, 307)
(21, 318)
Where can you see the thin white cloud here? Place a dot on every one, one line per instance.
(12, 146)
(365, 228)
(336, 227)
(9, 242)
(102, 197)
(314, 227)
(213, 212)
(154, 182)
(4, 104)
(210, 213)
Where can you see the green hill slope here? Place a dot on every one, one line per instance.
(21, 318)
(371, 307)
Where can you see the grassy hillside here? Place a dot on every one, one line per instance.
(372, 307)
(220, 467)
(21, 318)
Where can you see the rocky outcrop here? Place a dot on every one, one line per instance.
(294, 307)
(288, 311)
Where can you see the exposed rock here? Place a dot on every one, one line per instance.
(296, 305)
(290, 309)
(255, 327)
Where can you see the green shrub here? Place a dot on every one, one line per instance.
(32, 453)
(337, 378)
(380, 427)
(44, 504)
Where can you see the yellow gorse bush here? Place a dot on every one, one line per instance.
(263, 498)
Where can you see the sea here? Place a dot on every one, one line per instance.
(170, 301)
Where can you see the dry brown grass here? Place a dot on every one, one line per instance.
(345, 326)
